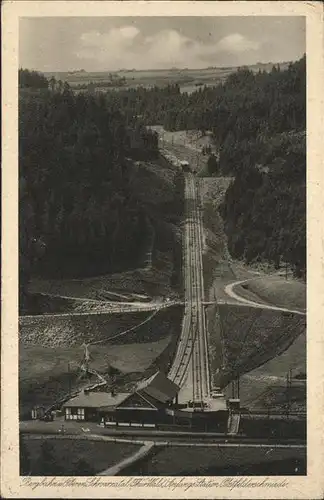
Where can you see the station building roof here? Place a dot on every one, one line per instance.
(96, 400)
(155, 391)
(159, 387)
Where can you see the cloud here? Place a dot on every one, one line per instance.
(170, 48)
(127, 47)
(235, 42)
(107, 48)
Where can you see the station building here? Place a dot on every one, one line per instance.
(154, 402)
(146, 406)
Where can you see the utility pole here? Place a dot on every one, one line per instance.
(193, 369)
(288, 385)
(69, 378)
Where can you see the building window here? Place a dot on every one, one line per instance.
(74, 414)
(80, 414)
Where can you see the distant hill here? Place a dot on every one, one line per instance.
(77, 72)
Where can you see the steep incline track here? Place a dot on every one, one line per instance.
(190, 369)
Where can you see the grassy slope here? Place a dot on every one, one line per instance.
(47, 345)
(46, 373)
(67, 453)
(279, 292)
(253, 336)
(74, 330)
(266, 385)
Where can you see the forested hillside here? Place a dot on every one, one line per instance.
(78, 213)
(258, 122)
(265, 206)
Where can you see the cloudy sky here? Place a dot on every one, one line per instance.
(112, 43)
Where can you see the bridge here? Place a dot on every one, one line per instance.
(190, 369)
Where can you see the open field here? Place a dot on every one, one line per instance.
(188, 79)
(222, 460)
(99, 455)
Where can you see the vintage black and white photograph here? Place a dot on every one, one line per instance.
(162, 246)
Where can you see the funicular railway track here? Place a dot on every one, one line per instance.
(192, 356)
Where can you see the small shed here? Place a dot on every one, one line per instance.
(233, 405)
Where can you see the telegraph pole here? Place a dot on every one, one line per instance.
(69, 378)
(288, 386)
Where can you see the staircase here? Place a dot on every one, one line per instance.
(233, 423)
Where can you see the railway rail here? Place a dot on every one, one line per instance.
(192, 355)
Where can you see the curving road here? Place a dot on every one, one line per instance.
(229, 290)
